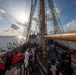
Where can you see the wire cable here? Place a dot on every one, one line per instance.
(5, 18)
(9, 14)
(69, 18)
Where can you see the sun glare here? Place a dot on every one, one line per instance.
(22, 17)
(20, 37)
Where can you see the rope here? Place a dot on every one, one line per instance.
(38, 21)
(5, 18)
(9, 14)
(31, 15)
(69, 18)
(54, 17)
(65, 69)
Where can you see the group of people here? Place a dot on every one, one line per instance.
(59, 63)
(28, 59)
(31, 56)
(11, 58)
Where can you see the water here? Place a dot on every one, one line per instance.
(4, 40)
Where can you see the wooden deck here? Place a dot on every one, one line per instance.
(15, 69)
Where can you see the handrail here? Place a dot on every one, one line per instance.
(42, 67)
(65, 69)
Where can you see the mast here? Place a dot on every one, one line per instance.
(42, 18)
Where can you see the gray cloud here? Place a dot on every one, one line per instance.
(34, 18)
(8, 30)
(0, 18)
(71, 26)
(2, 11)
(14, 26)
(49, 15)
(21, 24)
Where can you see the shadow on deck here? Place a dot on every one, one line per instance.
(15, 69)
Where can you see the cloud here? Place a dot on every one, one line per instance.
(14, 26)
(58, 10)
(0, 18)
(71, 26)
(75, 2)
(2, 11)
(21, 24)
(35, 19)
(49, 14)
(8, 32)
(48, 20)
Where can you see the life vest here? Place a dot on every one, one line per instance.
(2, 67)
(16, 58)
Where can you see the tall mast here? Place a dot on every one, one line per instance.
(42, 18)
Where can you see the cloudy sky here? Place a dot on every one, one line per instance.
(13, 11)
(68, 9)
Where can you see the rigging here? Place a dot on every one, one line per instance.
(5, 18)
(9, 14)
(54, 17)
(31, 15)
(69, 18)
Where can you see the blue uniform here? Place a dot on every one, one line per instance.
(74, 73)
(48, 68)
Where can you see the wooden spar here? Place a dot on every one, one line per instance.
(42, 18)
(68, 36)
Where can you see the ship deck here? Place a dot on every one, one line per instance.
(15, 69)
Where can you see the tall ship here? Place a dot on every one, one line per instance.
(37, 37)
